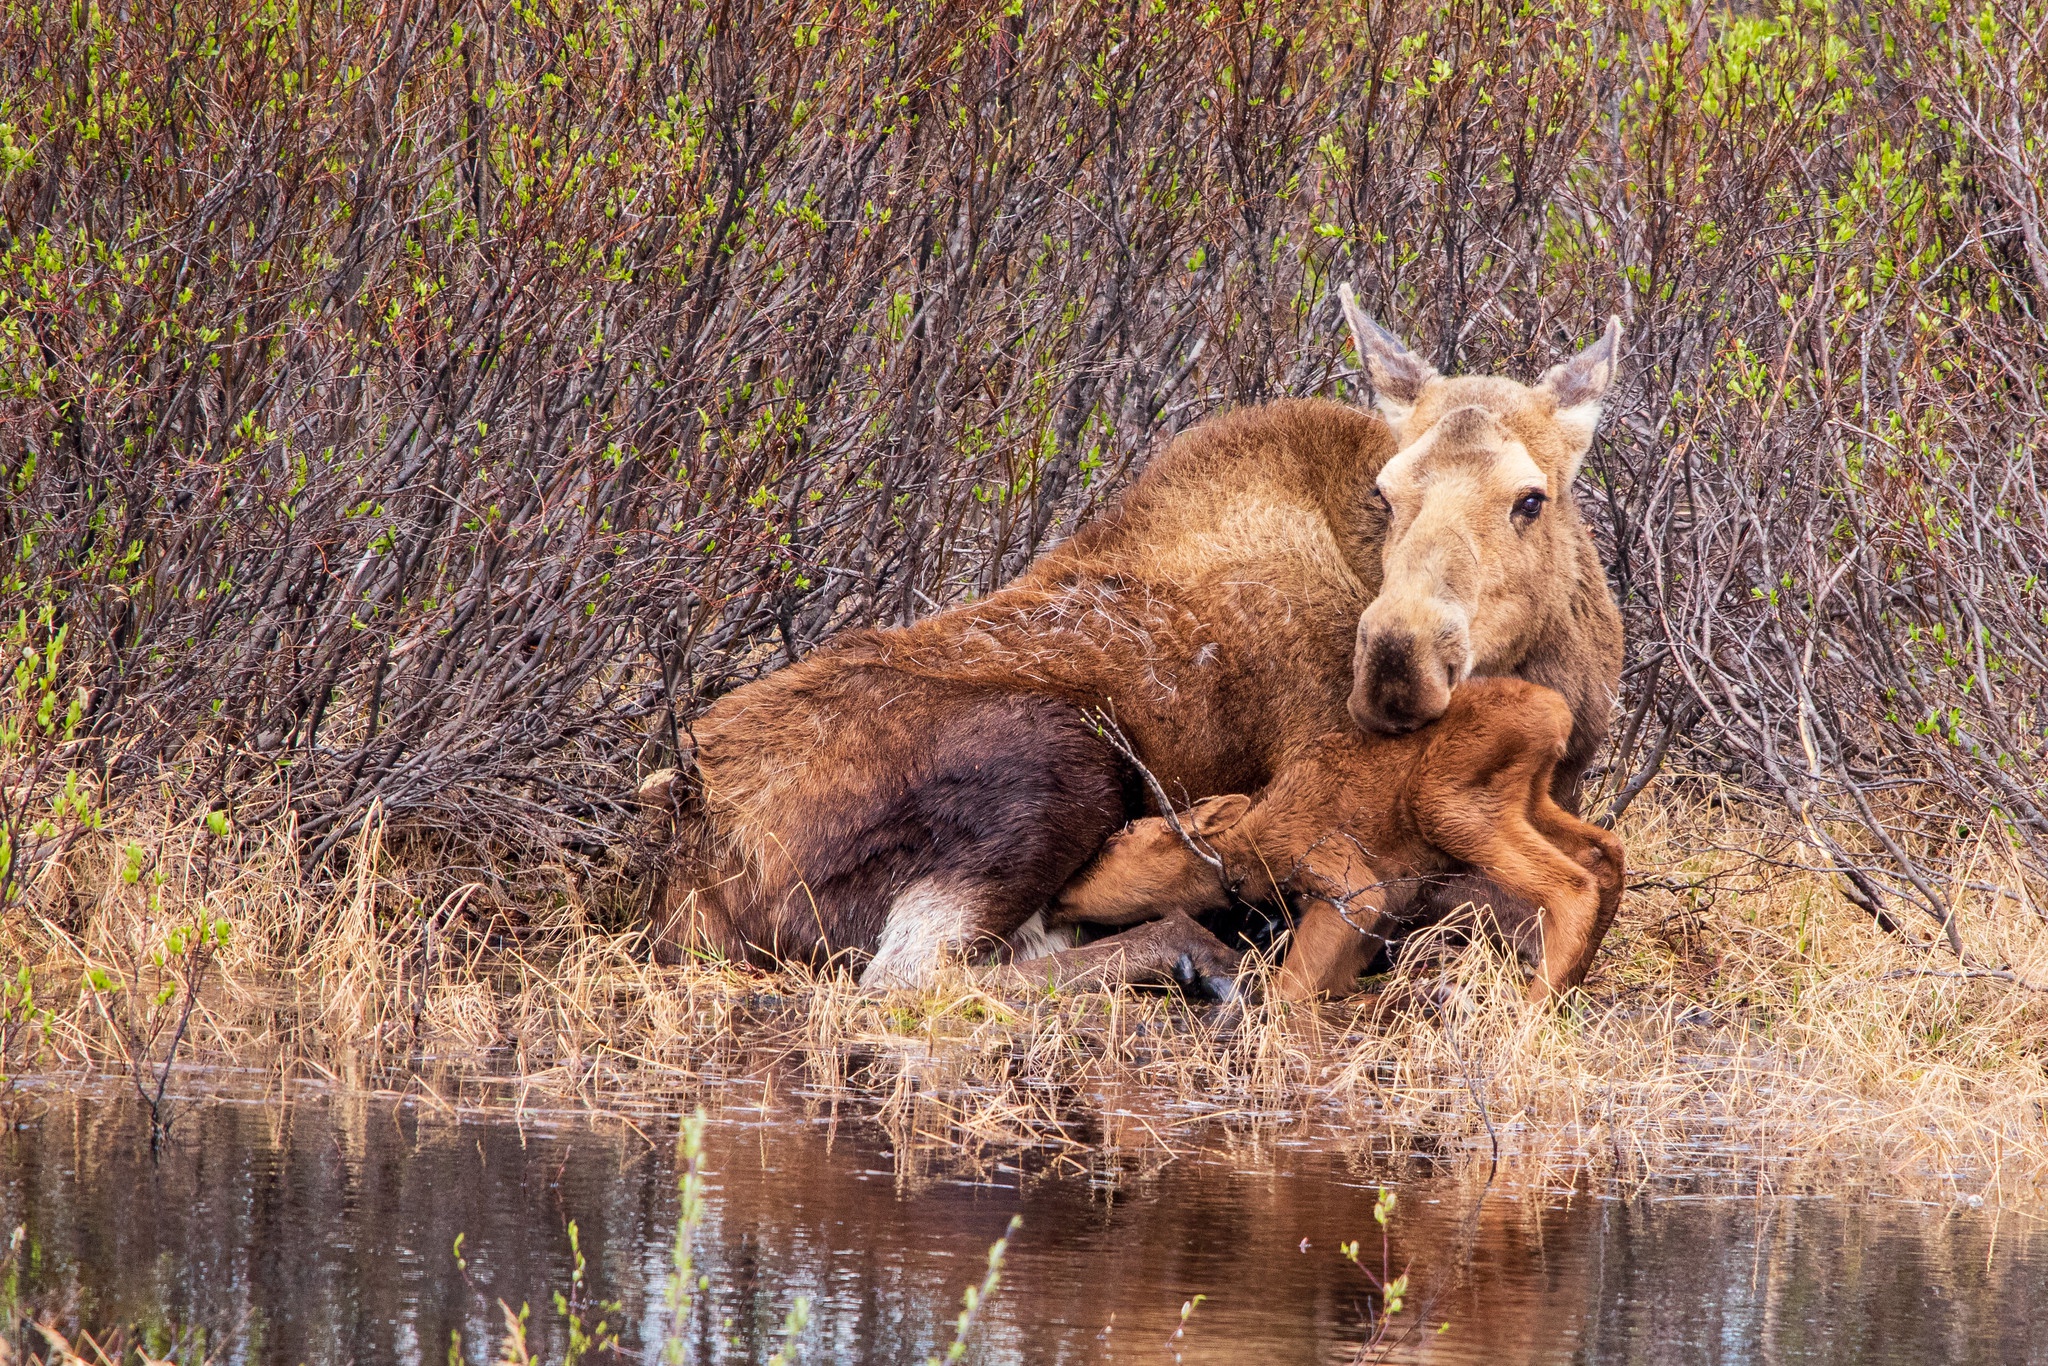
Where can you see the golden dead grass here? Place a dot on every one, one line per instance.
(1744, 1023)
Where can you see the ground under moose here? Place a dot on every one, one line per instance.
(1274, 575)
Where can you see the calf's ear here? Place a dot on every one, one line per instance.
(1214, 815)
(1397, 373)
(1579, 384)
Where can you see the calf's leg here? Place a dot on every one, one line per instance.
(1600, 852)
(1160, 952)
(1502, 821)
(1572, 870)
(1530, 867)
(1341, 911)
(1328, 950)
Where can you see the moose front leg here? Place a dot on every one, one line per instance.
(1334, 938)
(1550, 881)
(1602, 856)
(1170, 950)
(1550, 910)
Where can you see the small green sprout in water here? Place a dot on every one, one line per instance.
(977, 1296)
(794, 1323)
(1393, 1289)
(513, 1352)
(685, 1284)
(584, 1341)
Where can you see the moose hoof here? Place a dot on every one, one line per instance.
(1171, 951)
(1213, 986)
(1200, 963)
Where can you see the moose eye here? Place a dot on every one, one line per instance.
(1381, 494)
(1529, 505)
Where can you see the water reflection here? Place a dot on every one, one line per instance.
(323, 1231)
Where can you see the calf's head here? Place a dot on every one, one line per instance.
(1484, 544)
(1147, 869)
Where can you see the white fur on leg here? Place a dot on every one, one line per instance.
(925, 921)
(1035, 939)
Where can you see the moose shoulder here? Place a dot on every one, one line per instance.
(924, 790)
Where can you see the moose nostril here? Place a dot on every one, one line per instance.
(1402, 680)
(1387, 710)
(1388, 656)
(1382, 695)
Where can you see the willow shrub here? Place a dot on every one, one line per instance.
(431, 405)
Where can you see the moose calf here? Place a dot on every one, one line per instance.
(1356, 826)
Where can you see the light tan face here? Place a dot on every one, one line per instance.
(1483, 543)
(1146, 869)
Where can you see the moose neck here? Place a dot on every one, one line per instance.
(1349, 501)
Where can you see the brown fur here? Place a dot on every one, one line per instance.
(908, 792)
(1357, 827)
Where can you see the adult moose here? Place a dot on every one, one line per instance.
(1273, 575)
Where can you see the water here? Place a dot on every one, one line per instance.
(323, 1231)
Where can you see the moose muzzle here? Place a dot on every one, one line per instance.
(1411, 652)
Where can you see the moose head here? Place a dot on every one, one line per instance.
(1484, 548)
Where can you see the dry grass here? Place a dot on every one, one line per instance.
(408, 469)
(1745, 1023)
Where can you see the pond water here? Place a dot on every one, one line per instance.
(323, 1230)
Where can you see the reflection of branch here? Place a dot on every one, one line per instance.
(1106, 726)
(195, 976)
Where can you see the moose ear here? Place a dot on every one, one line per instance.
(1398, 374)
(1214, 815)
(1579, 384)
